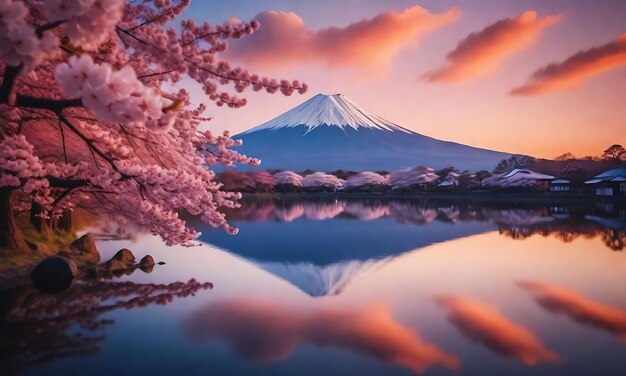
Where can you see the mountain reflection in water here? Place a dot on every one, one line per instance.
(323, 245)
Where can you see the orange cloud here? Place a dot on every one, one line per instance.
(480, 53)
(260, 330)
(368, 44)
(570, 73)
(485, 324)
(578, 307)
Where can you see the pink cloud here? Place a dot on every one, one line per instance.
(284, 39)
(570, 73)
(481, 53)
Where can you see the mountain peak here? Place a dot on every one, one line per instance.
(329, 110)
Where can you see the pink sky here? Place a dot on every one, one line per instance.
(447, 69)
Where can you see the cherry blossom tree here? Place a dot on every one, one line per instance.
(321, 180)
(92, 109)
(410, 178)
(260, 181)
(366, 180)
(253, 181)
(288, 180)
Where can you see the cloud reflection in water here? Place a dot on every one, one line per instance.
(578, 307)
(483, 323)
(260, 330)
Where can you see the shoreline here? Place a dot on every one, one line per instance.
(522, 197)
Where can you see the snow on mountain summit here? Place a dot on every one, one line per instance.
(329, 110)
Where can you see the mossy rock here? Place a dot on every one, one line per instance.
(87, 246)
(124, 255)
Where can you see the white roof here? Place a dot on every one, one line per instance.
(593, 181)
(528, 174)
(445, 183)
(560, 181)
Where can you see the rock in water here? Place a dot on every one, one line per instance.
(147, 264)
(54, 274)
(114, 265)
(124, 255)
(86, 245)
(147, 260)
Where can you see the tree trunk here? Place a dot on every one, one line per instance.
(40, 224)
(11, 237)
(64, 223)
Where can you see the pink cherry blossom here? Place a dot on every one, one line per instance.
(321, 179)
(411, 177)
(366, 178)
(90, 113)
(288, 178)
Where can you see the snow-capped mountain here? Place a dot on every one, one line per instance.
(329, 132)
(328, 110)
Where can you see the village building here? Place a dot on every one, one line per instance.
(560, 185)
(520, 178)
(609, 183)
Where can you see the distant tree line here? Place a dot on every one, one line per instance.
(614, 152)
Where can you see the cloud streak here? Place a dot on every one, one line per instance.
(370, 44)
(486, 325)
(481, 53)
(573, 71)
(260, 330)
(578, 307)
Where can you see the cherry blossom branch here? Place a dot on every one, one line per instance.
(7, 94)
(122, 30)
(211, 34)
(63, 195)
(49, 26)
(54, 105)
(154, 74)
(90, 143)
(63, 141)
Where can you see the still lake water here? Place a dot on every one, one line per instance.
(338, 287)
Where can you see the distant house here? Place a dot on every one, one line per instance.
(609, 183)
(450, 181)
(560, 185)
(519, 178)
